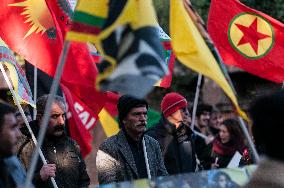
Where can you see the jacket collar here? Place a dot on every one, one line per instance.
(127, 154)
(126, 151)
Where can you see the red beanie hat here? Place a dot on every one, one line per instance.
(172, 102)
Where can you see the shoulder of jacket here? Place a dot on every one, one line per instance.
(151, 140)
(157, 129)
(73, 143)
(109, 143)
(26, 146)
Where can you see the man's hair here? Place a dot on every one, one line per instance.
(5, 109)
(41, 103)
(201, 108)
(268, 123)
(126, 103)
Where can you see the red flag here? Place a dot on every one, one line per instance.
(38, 37)
(78, 77)
(29, 30)
(247, 38)
(80, 120)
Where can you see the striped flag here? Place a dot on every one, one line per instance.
(17, 75)
(130, 46)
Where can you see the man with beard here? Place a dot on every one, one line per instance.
(121, 157)
(63, 155)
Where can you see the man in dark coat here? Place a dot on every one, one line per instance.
(63, 155)
(174, 135)
(12, 173)
(122, 157)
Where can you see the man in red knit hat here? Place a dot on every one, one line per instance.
(174, 135)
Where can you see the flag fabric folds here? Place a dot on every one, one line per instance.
(130, 46)
(17, 75)
(248, 39)
(36, 38)
(169, 58)
(39, 38)
(108, 114)
(191, 49)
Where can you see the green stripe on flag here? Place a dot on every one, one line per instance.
(85, 18)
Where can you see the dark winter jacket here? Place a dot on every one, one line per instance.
(115, 161)
(65, 154)
(176, 144)
(203, 151)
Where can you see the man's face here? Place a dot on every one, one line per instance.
(180, 116)
(203, 119)
(9, 135)
(186, 116)
(56, 124)
(135, 122)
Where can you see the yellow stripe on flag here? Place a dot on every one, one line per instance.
(81, 37)
(109, 124)
(191, 50)
(93, 7)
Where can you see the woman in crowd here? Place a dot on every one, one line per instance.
(223, 180)
(229, 140)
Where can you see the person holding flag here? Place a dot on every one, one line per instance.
(65, 162)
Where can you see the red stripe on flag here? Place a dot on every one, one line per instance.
(83, 28)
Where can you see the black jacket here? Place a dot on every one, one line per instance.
(65, 154)
(203, 151)
(176, 145)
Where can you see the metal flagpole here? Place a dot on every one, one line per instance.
(35, 92)
(197, 91)
(146, 158)
(25, 118)
(202, 29)
(45, 120)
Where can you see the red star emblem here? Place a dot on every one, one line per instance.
(251, 35)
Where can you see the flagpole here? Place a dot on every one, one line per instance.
(215, 51)
(35, 92)
(196, 97)
(46, 115)
(146, 158)
(241, 121)
(197, 91)
(25, 118)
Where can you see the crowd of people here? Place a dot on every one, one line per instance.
(170, 147)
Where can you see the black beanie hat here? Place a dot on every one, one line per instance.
(126, 103)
